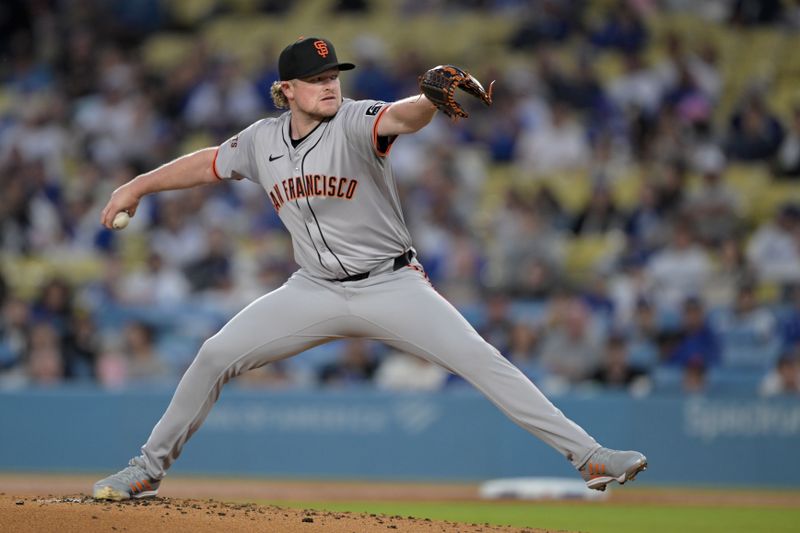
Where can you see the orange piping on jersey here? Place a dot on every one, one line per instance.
(375, 133)
(214, 165)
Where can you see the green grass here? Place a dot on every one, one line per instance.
(586, 517)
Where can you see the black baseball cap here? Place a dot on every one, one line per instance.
(308, 56)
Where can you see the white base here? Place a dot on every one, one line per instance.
(539, 488)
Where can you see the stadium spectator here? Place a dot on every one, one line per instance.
(616, 371)
(627, 288)
(583, 92)
(135, 361)
(527, 252)
(44, 361)
(773, 249)
(497, 326)
(399, 371)
(714, 208)
(14, 336)
(26, 74)
(784, 379)
(276, 375)
(373, 79)
(694, 378)
(610, 158)
(786, 164)
(748, 333)
(572, 341)
(754, 133)
(548, 22)
(644, 334)
(225, 100)
(523, 346)
(622, 28)
(599, 215)
(502, 130)
(644, 224)
(461, 266)
(679, 270)
(40, 134)
(39, 217)
(670, 188)
(559, 144)
(731, 271)
(144, 362)
(701, 66)
(117, 122)
(178, 239)
(546, 203)
(638, 89)
(697, 345)
(596, 294)
(80, 347)
(790, 319)
(157, 284)
(355, 365)
(76, 63)
(214, 269)
(54, 305)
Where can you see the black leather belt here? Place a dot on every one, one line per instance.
(399, 262)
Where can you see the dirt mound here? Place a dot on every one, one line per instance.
(80, 513)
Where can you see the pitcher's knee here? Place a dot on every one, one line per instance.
(212, 358)
(477, 361)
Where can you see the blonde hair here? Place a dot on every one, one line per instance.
(278, 98)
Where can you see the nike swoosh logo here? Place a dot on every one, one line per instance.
(273, 158)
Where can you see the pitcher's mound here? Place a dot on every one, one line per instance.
(81, 514)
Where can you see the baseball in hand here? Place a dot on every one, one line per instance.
(121, 220)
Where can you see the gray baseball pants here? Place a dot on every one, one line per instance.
(399, 308)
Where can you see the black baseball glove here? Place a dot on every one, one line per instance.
(439, 85)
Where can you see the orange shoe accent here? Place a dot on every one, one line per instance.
(596, 469)
(133, 488)
(147, 484)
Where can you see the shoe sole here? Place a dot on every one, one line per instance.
(108, 493)
(599, 483)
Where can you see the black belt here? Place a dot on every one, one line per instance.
(399, 262)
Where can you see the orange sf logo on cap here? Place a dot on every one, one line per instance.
(322, 48)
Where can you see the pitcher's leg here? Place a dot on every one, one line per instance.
(273, 327)
(413, 317)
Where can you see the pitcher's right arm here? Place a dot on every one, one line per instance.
(187, 171)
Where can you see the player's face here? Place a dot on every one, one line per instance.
(318, 96)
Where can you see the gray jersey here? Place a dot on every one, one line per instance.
(334, 192)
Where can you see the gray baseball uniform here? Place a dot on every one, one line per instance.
(358, 276)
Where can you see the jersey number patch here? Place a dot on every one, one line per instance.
(373, 110)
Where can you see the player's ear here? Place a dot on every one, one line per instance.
(288, 89)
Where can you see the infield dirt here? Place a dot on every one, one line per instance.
(82, 514)
(46, 503)
(42, 503)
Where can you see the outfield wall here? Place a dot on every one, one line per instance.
(457, 435)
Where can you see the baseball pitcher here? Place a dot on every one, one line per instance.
(325, 169)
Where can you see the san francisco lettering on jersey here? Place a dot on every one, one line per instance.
(312, 185)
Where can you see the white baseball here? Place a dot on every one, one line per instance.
(121, 220)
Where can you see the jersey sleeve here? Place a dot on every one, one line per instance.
(235, 157)
(361, 126)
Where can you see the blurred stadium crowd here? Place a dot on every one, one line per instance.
(625, 216)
